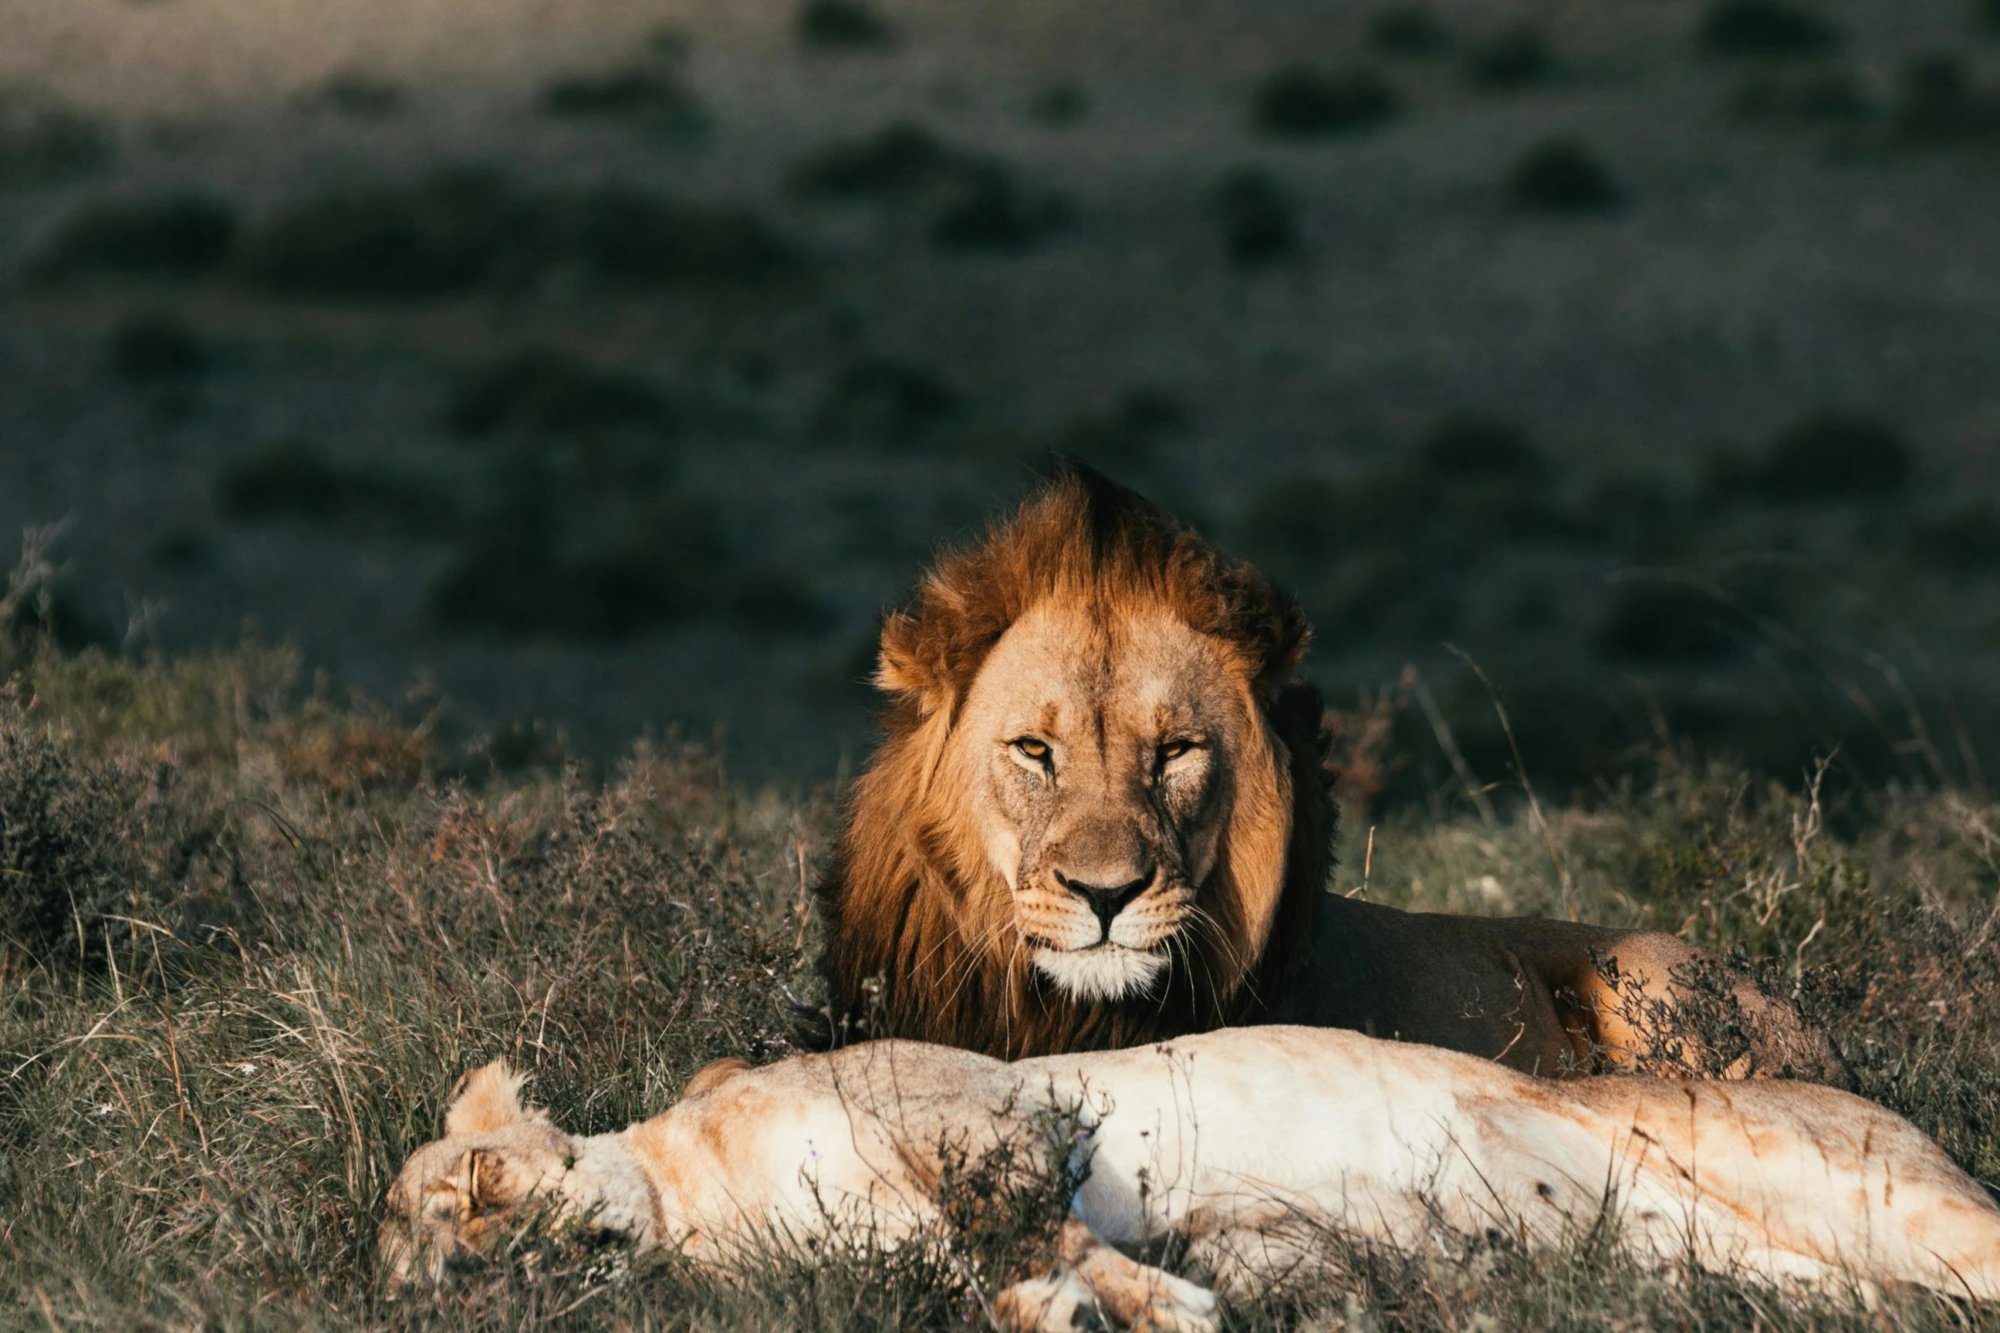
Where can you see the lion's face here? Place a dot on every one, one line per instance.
(1098, 749)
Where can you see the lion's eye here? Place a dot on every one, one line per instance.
(1174, 749)
(1030, 747)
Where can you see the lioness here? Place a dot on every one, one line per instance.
(1243, 1144)
(1100, 817)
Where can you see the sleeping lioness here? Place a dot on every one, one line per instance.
(1099, 817)
(1244, 1145)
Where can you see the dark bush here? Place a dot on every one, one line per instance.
(1480, 446)
(993, 210)
(540, 391)
(900, 160)
(1808, 94)
(298, 481)
(974, 199)
(770, 601)
(886, 400)
(460, 231)
(1836, 455)
(1060, 105)
(1295, 523)
(639, 92)
(448, 234)
(179, 548)
(1516, 57)
(171, 236)
(1938, 103)
(1652, 622)
(1961, 540)
(45, 144)
(1125, 433)
(1764, 28)
(1986, 16)
(1257, 215)
(354, 93)
(1408, 30)
(516, 578)
(620, 234)
(1300, 101)
(68, 846)
(844, 25)
(1562, 178)
(152, 347)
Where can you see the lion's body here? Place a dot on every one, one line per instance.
(1100, 817)
(1246, 1145)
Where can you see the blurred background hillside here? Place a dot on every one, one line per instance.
(563, 372)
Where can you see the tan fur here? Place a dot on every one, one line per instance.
(1097, 623)
(1243, 1148)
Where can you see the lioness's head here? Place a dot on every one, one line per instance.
(1100, 786)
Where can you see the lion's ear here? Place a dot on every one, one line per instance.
(486, 1100)
(912, 665)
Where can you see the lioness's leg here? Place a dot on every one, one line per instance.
(1093, 1282)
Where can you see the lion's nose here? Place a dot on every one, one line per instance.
(1107, 901)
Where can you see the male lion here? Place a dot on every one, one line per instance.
(1100, 817)
(1246, 1146)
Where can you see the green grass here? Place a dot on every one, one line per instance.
(251, 934)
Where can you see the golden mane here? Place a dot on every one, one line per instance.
(914, 945)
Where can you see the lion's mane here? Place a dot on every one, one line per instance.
(908, 869)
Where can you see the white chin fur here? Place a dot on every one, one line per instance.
(1107, 972)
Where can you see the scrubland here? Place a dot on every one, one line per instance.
(251, 933)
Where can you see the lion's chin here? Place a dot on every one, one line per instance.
(1105, 972)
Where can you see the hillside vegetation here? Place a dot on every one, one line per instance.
(250, 933)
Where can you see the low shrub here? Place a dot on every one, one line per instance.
(901, 160)
(358, 94)
(888, 401)
(540, 391)
(1764, 29)
(635, 93)
(1836, 456)
(1303, 101)
(295, 480)
(450, 233)
(1513, 58)
(70, 846)
(518, 575)
(1808, 94)
(45, 143)
(1471, 446)
(844, 25)
(1060, 105)
(972, 200)
(1126, 432)
(1257, 216)
(460, 231)
(1294, 525)
(182, 235)
(1962, 540)
(1938, 103)
(153, 347)
(1653, 622)
(1562, 178)
(1408, 30)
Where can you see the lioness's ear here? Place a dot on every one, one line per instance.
(485, 1100)
(713, 1075)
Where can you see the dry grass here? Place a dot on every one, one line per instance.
(251, 937)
